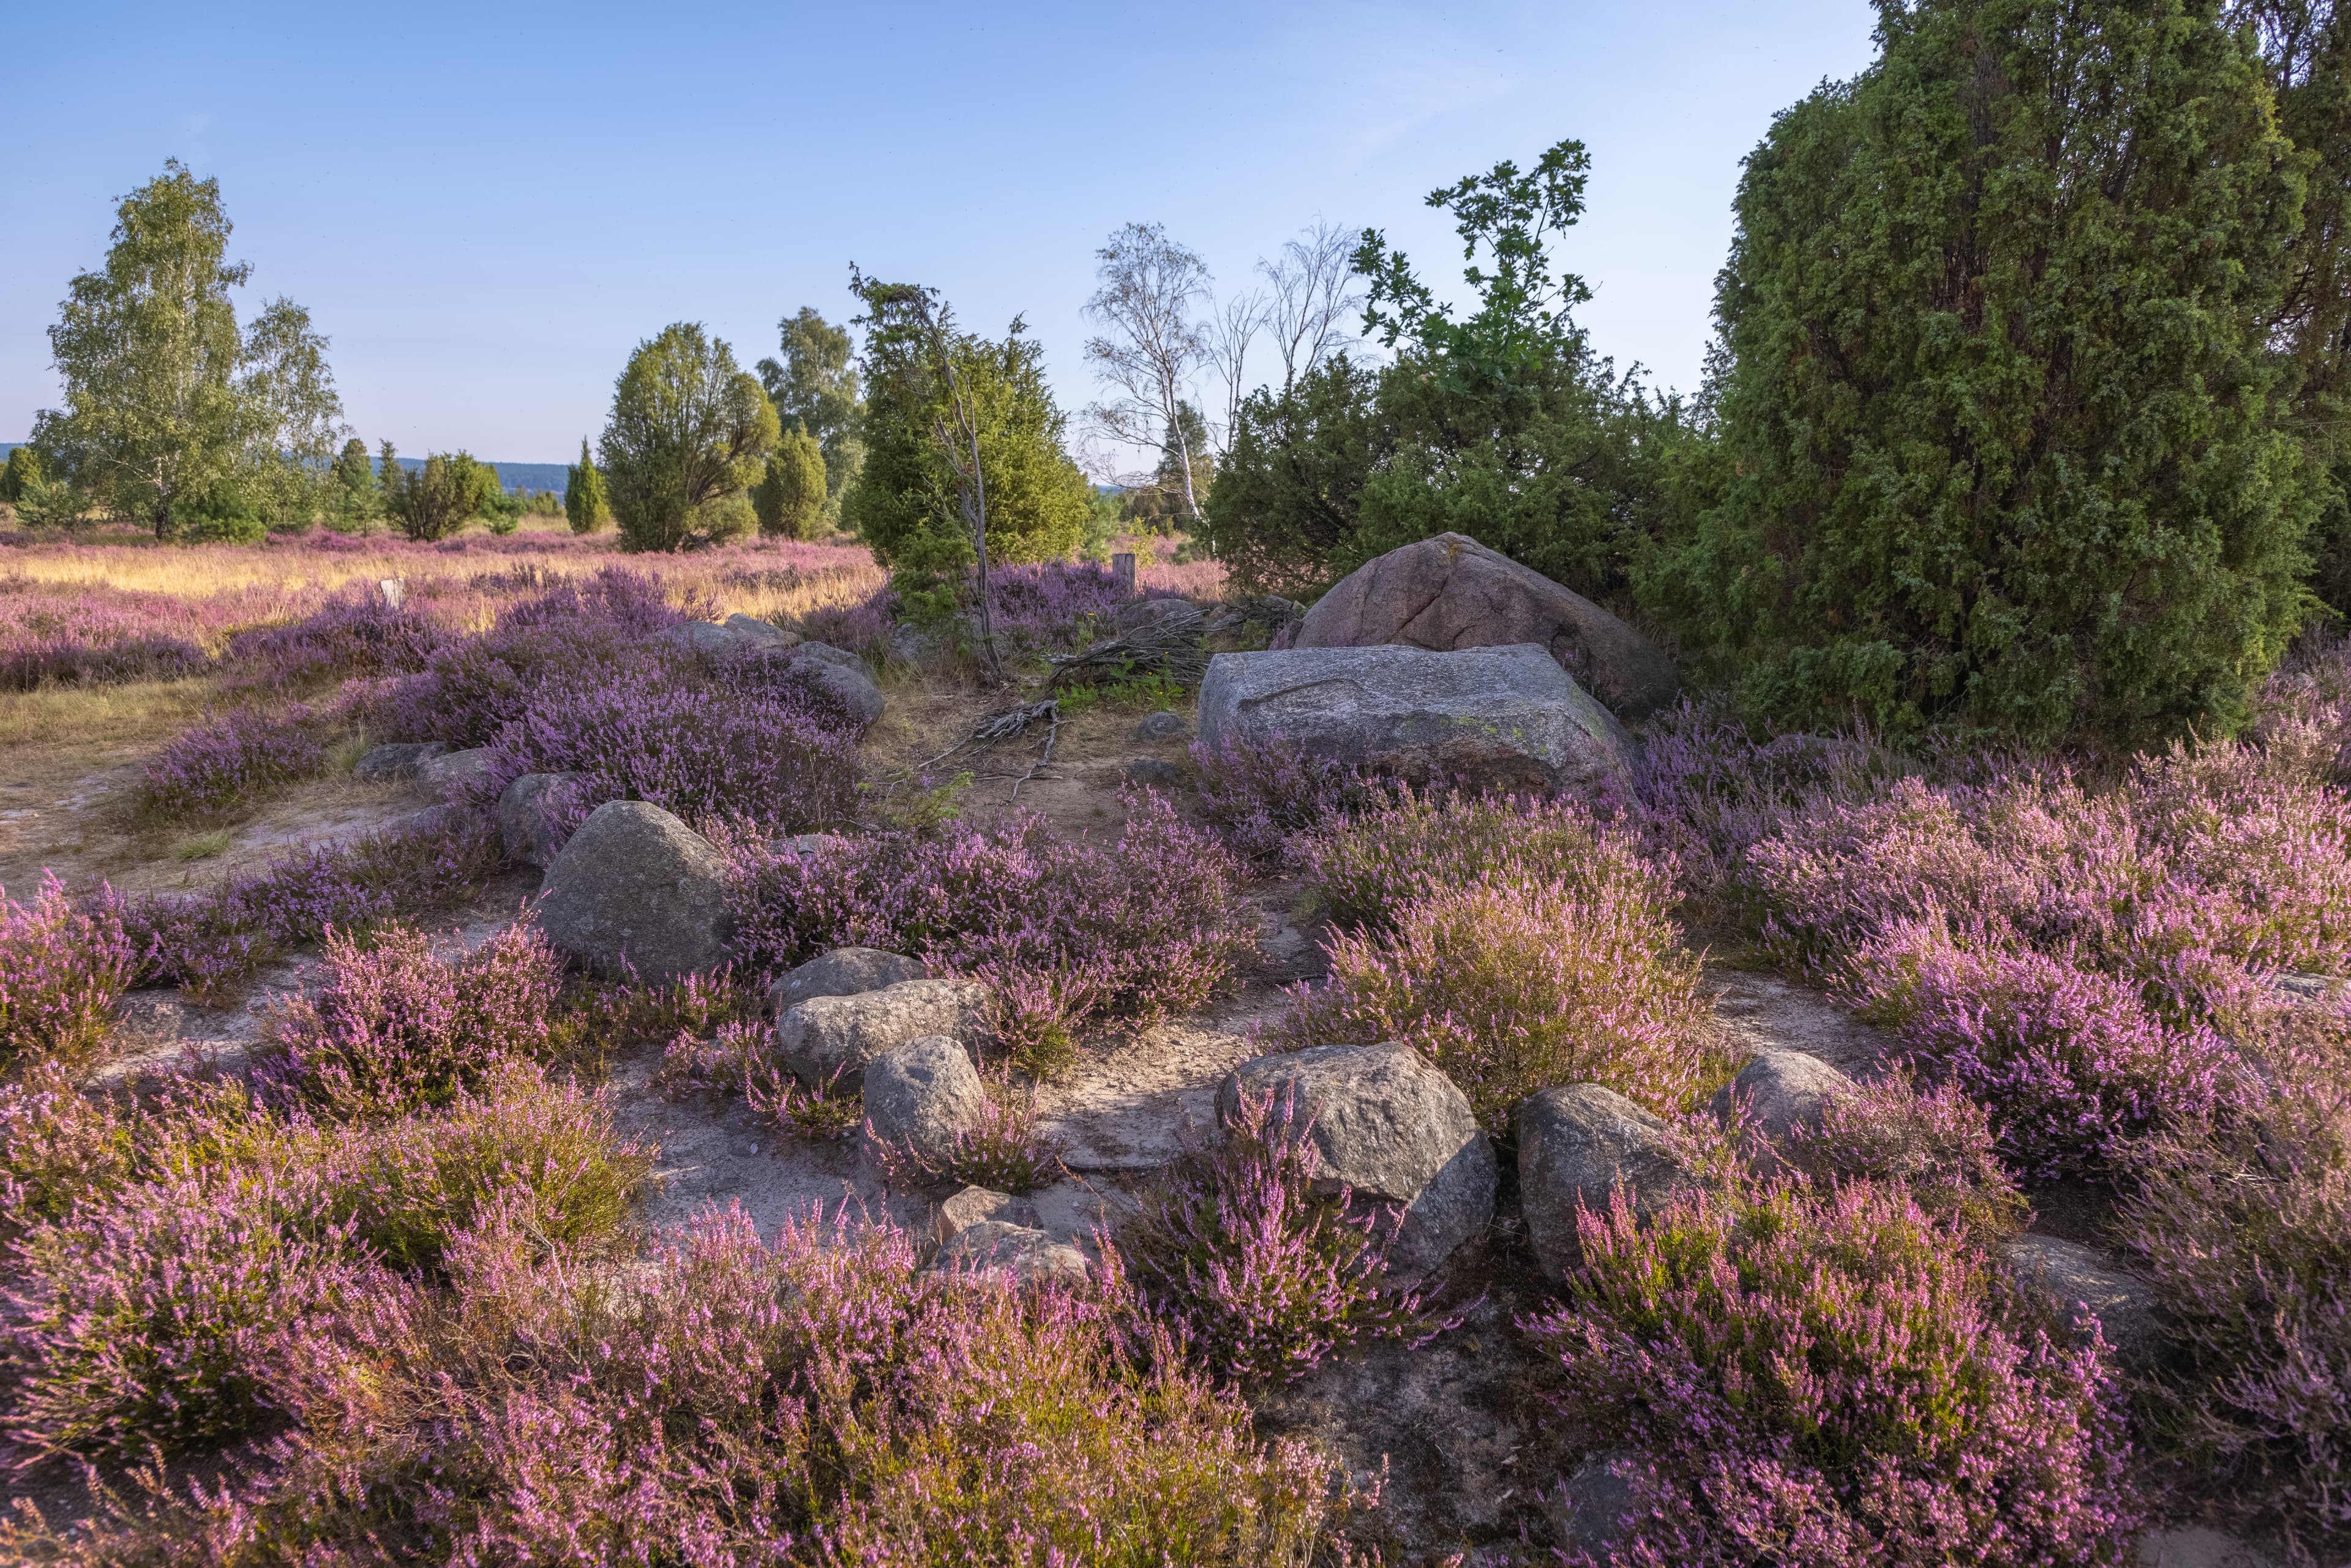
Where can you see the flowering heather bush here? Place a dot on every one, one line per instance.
(58, 1147)
(204, 941)
(1266, 1279)
(2071, 1063)
(1514, 986)
(765, 759)
(355, 634)
(1005, 1152)
(542, 1148)
(2246, 1232)
(1057, 604)
(1829, 1376)
(398, 1026)
(1065, 935)
(827, 1112)
(96, 636)
(1370, 867)
(863, 629)
(1938, 1144)
(1257, 796)
(725, 1063)
(821, 1399)
(64, 963)
(223, 762)
(157, 1314)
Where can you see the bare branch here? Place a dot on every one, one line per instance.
(1312, 294)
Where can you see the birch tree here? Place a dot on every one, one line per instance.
(1148, 289)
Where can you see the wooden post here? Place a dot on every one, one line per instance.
(1121, 573)
(393, 588)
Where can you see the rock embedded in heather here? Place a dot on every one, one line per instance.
(1587, 1509)
(922, 1096)
(525, 816)
(729, 638)
(826, 1036)
(1573, 1143)
(1451, 593)
(1486, 719)
(395, 760)
(637, 889)
(977, 1205)
(844, 972)
(1153, 772)
(1781, 1089)
(1161, 727)
(456, 778)
(1392, 1130)
(840, 679)
(1012, 1254)
(2080, 1284)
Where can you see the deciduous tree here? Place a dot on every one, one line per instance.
(1148, 287)
(815, 384)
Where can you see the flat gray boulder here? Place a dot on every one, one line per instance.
(525, 816)
(731, 638)
(1451, 593)
(1491, 718)
(457, 777)
(1012, 1255)
(1574, 1143)
(637, 889)
(2081, 1284)
(826, 1036)
(922, 1096)
(844, 972)
(1392, 1130)
(1782, 1090)
(395, 760)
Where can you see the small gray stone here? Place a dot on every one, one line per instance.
(1573, 1143)
(844, 972)
(2082, 1284)
(976, 1205)
(1485, 718)
(826, 1036)
(1012, 1254)
(525, 817)
(1391, 1128)
(1587, 1509)
(458, 777)
(922, 1096)
(1153, 772)
(636, 889)
(1782, 1090)
(395, 760)
(1161, 727)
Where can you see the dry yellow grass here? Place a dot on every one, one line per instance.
(146, 710)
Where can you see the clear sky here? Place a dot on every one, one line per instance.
(486, 207)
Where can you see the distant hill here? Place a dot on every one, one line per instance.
(513, 476)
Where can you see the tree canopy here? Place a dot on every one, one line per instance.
(168, 403)
(789, 499)
(815, 385)
(2006, 428)
(689, 431)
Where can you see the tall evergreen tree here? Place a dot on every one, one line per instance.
(2007, 438)
(789, 499)
(354, 480)
(689, 433)
(584, 502)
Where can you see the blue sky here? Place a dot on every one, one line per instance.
(486, 207)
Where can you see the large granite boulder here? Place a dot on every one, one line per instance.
(1392, 1130)
(844, 972)
(826, 1036)
(1488, 719)
(2082, 1285)
(837, 679)
(1574, 1143)
(525, 816)
(1782, 1090)
(637, 889)
(1451, 593)
(920, 1097)
(731, 638)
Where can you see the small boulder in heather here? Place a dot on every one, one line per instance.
(1162, 725)
(1012, 1254)
(1573, 1143)
(455, 778)
(844, 972)
(839, 678)
(637, 889)
(1392, 1130)
(526, 818)
(978, 1205)
(395, 760)
(826, 1036)
(1483, 718)
(1587, 1509)
(921, 1096)
(1153, 773)
(1781, 1089)
(2081, 1284)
